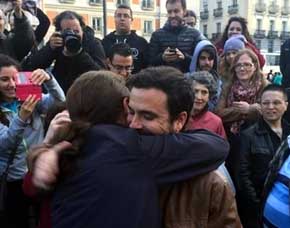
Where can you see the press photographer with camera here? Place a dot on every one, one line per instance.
(18, 42)
(73, 47)
(21, 126)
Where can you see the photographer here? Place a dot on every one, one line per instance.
(73, 48)
(18, 42)
(20, 128)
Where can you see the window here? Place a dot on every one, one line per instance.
(284, 26)
(97, 24)
(205, 5)
(219, 4)
(218, 27)
(235, 2)
(270, 45)
(286, 3)
(123, 2)
(259, 44)
(259, 24)
(272, 25)
(205, 30)
(95, 2)
(148, 27)
(148, 4)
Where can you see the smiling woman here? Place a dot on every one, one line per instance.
(20, 127)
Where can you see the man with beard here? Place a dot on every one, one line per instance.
(173, 45)
(124, 34)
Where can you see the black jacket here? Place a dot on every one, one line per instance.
(138, 44)
(184, 38)
(257, 150)
(115, 183)
(18, 43)
(67, 69)
(285, 64)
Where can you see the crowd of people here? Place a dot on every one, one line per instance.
(177, 132)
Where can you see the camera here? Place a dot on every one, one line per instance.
(24, 86)
(172, 50)
(71, 41)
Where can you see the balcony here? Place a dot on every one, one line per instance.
(215, 36)
(260, 7)
(260, 34)
(233, 9)
(95, 2)
(204, 15)
(218, 12)
(273, 9)
(285, 10)
(67, 1)
(147, 5)
(273, 34)
(284, 35)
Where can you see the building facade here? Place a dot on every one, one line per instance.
(267, 22)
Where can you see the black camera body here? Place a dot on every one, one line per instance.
(71, 41)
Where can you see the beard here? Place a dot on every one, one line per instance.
(175, 21)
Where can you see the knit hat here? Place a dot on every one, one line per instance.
(234, 43)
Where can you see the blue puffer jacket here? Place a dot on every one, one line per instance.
(22, 135)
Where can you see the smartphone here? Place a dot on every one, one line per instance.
(172, 50)
(24, 86)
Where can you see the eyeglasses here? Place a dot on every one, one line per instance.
(120, 68)
(246, 66)
(120, 15)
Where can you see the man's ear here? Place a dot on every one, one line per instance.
(126, 105)
(180, 121)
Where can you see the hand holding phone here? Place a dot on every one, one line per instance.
(25, 87)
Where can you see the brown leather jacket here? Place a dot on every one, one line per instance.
(203, 202)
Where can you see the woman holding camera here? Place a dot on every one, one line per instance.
(20, 128)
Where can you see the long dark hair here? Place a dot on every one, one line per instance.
(6, 61)
(245, 30)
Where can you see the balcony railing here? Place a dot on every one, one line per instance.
(95, 2)
(285, 10)
(204, 15)
(67, 1)
(147, 5)
(284, 35)
(272, 34)
(260, 34)
(233, 9)
(273, 8)
(218, 12)
(260, 7)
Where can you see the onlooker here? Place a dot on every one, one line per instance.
(135, 163)
(207, 199)
(124, 34)
(231, 48)
(204, 87)
(173, 45)
(190, 18)
(120, 59)
(259, 144)
(275, 202)
(236, 26)
(239, 102)
(18, 42)
(19, 130)
(284, 63)
(73, 49)
(205, 59)
(277, 79)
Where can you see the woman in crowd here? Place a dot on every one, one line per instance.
(20, 128)
(238, 105)
(236, 26)
(231, 48)
(204, 87)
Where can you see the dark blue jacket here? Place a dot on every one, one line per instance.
(116, 181)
